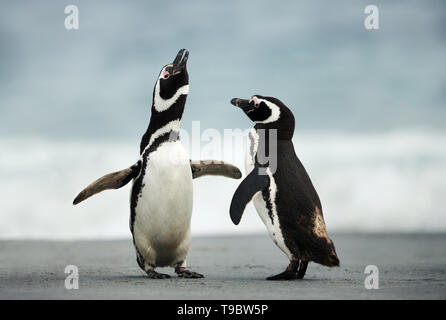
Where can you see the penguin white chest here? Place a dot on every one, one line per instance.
(164, 206)
(269, 216)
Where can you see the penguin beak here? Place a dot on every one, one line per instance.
(179, 64)
(246, 105)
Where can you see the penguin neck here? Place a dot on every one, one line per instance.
(164, 122)
(172, 124)
(166, 131)
(282, 134)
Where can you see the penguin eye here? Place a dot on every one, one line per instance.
(256, 102)
(166, 74)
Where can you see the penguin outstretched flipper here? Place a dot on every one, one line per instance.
(214, 168)
(114, 180)
(118, 179)
(249, 187)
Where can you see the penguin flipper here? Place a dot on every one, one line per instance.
(252, 184)
(214, 168)
(114, 180)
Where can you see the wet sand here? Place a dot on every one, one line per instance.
(411, 266)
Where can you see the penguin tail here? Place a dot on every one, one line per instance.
(322, 251)
(331, 261)
(330, 258)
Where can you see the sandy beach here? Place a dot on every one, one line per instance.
(411, 266)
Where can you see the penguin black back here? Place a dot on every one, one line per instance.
(288, 203)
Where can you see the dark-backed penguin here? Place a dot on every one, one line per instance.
(161, 194)
(281, 189)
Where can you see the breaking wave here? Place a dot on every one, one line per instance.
(392, 182)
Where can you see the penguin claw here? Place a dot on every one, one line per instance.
(152, 274)
(189, 274)
(286, 275)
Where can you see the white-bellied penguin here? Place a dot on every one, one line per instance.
(161, 194)
(281, 189)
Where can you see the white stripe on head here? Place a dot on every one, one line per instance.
(164, 104)
(275, 111)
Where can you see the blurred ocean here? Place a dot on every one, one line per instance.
(367, 182)
(370, 106)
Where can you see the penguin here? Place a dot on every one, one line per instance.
(161, 192)
(281, 190)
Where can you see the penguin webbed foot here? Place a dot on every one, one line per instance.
(295, 271)
(152, 274)
(286, 275)
(184, 273)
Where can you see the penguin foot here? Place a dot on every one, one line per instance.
(152, 274)
(286, 275)
(302, 269)
(184, 273)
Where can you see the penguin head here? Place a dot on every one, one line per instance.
(267, 112)
(173, 81)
